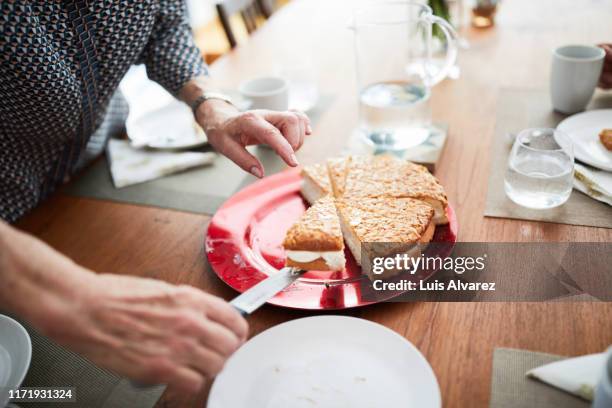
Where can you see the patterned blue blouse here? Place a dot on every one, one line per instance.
(61, 63)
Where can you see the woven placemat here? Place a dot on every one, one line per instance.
(94, 387)
(520, 109)
(510, 388)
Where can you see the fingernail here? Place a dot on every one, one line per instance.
(308, 129)
(294, 159)
(256, 172)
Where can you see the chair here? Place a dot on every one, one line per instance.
(251, 11)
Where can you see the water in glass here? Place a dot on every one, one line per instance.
(540, 169)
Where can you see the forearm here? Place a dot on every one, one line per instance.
(35, 279)
(145, 329)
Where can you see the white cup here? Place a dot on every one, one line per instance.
(575, 73)
(266, 93)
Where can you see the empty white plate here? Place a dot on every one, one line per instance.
(326, 362)
(583, 129)
(15, 356)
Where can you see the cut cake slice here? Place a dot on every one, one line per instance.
(337, 169)
(388, 176)
(315, 182)
(384, 220)
(315, 241)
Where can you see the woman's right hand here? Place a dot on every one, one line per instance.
(149, 330)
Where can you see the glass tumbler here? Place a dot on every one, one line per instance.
(540, 171)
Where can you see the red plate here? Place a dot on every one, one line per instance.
(244, 239)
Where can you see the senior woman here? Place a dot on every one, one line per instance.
(61, 66)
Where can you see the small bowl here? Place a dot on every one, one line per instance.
(15, 356)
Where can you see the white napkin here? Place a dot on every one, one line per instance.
(130, 166)
(578, 375)
(595, 183)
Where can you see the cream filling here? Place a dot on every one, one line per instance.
(439, 217)
(333, 259)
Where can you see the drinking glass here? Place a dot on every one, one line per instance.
(393, 47)
(540, 170)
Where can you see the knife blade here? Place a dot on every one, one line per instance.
(253, 298)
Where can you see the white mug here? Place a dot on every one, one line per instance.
(266, 93)
(575, 73)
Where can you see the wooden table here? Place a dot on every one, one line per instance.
(457, 338)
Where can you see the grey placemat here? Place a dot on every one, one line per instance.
(520, 109)
(201, 190)
(510, 388)
(55, 366)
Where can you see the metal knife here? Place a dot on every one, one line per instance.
(253, 298)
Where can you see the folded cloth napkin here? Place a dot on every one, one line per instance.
(578, 375)
(130, 166)
(595, 183)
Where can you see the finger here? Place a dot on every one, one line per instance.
(259, 128)
(301, 131)
(241, 156)
(288, 123)
(221, 312)
(281, 118)
(304, 126)
(186, 380)
(219, 338)
(207, 362)
(302, 116)
(166, 371)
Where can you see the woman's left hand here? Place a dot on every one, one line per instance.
(230, 131)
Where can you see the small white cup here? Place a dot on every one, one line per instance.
(574, 76)
(266, 93)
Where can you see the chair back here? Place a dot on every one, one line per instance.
(251, 12)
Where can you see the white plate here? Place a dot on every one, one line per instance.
(326, 362)
(15, 355)
(584, 129)
(169, 127)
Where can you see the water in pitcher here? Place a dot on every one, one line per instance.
(395, 115)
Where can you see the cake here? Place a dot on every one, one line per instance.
(389, 204)
(387, 176)
(605, 136)
(336, 169)
(384, 220)
(315, 182)
(315, 241)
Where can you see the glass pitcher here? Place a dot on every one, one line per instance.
(393, 47)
